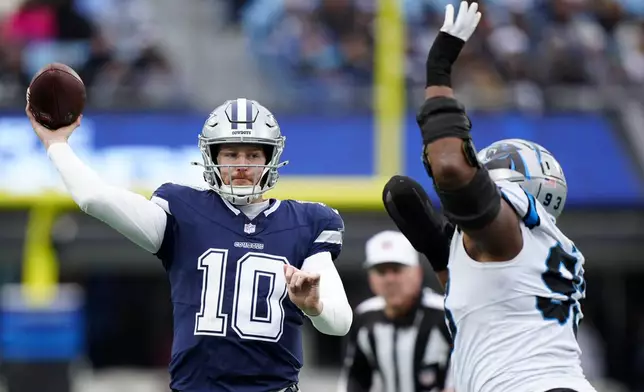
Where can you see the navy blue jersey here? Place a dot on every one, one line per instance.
(235, 328)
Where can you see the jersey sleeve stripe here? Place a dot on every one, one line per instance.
(330, 237)
(531, 218)
(526, 207)
(161, 203)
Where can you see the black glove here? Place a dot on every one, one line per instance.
(412, 211)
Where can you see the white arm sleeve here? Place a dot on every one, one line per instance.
(337, 315)
(137, 218)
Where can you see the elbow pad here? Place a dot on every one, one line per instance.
(473, 206)
(442, 117)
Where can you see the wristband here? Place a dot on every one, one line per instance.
(442, 55)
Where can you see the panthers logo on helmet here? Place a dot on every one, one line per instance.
(531, 166)
(504, 157)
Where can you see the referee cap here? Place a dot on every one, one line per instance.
(390, 247)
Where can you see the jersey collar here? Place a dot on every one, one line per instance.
(274, 204)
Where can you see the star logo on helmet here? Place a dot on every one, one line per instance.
(213, 120)
(271, 122)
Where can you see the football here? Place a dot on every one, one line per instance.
(56, 96)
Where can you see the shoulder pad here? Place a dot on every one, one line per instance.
(169, 193)
(169, 190)
(327, 228)
(317, 205)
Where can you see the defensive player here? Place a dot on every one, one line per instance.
(231, 256)
(514, 280)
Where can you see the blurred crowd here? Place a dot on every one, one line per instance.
(327, 46)
(110, 43)
(526, 44)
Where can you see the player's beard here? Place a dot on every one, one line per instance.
(244, 179)
(242, 182)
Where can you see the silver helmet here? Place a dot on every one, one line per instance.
(532, 166)
(241, 121)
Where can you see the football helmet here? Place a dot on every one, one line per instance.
(241, 121)
(530, 165)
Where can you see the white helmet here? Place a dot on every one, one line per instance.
(530, 165)
(241, 121)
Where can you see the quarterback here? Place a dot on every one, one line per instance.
(244, 271)
(513, 280)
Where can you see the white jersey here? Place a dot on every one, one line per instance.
(514, 323)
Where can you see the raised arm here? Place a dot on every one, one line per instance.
(469, 197)
(140, 220)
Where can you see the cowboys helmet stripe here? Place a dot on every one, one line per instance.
(242, 114)
(249, 114)
(234, 116)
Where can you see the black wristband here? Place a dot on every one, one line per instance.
(442, 55)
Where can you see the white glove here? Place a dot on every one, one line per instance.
(466, 21)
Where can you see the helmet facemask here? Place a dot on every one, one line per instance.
(241, 122)
(241, 194)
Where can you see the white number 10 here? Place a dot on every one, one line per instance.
(247, 320)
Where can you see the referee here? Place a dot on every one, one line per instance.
(399, 336)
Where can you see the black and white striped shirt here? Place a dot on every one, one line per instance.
(409, 354)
